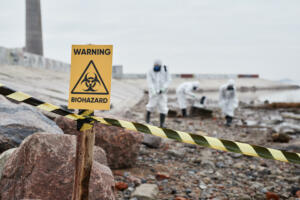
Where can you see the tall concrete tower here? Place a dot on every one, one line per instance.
(34, 37)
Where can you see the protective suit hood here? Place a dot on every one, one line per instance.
(231, 82)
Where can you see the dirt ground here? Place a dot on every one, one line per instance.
(196, 172)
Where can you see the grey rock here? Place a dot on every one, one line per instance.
(151, 141)
(131, 189)
(206, 164)
(179, 153)
(251, 123)
(21, 114)
(239, 165)
(19, 121)
(245, 197)
(220, 164)
(236, 155)
(290, 115)
(146, 192)
(257, 186)
(12, 135)
(275, 119)
(287, 128)
(4, 157)
(202, 185)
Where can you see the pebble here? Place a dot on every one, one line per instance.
(239, 165)
(202, 186)
(146, 191)
(173, 191)
(178, 153)
(162, 176)
(220, 164)
(121, 186)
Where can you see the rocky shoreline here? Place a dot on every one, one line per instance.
(129, 166)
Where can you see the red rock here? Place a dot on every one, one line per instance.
(100, 155)
(180, 198)
(121, 146)
(118, 173)
(272, 196)
(43, 168)
(121, 186)
(160, 176)
(298, 194)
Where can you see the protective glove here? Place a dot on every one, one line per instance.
(202, 100)
(162, 91)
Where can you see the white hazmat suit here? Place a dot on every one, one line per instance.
(228, 101)
(184, 91)
(158, 82)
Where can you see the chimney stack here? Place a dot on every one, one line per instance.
(34, 37)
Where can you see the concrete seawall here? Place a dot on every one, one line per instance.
(19, 57)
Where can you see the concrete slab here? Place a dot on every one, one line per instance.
(53, 87)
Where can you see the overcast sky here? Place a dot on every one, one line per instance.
(190, 36)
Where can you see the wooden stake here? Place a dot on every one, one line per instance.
(84, 162)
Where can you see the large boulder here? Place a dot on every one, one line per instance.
(19, 121)
(121, 146)
(43, 168)
(100, 155)
(4, 157)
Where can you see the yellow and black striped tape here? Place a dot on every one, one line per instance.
(206, 141)
(88, 122)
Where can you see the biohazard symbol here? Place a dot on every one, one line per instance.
(90, 82)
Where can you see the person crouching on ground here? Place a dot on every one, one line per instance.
(186, 91)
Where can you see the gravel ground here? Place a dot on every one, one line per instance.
(194, 172)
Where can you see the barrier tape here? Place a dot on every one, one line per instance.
(88, 122)
(206, 141)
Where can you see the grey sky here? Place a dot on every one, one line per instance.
(211, 36)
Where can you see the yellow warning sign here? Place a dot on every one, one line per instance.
(90, 80)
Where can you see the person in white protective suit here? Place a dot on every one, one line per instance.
(158, 79)
(228, 101)
(184, 91)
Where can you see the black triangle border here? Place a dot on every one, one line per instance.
(91, 62)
